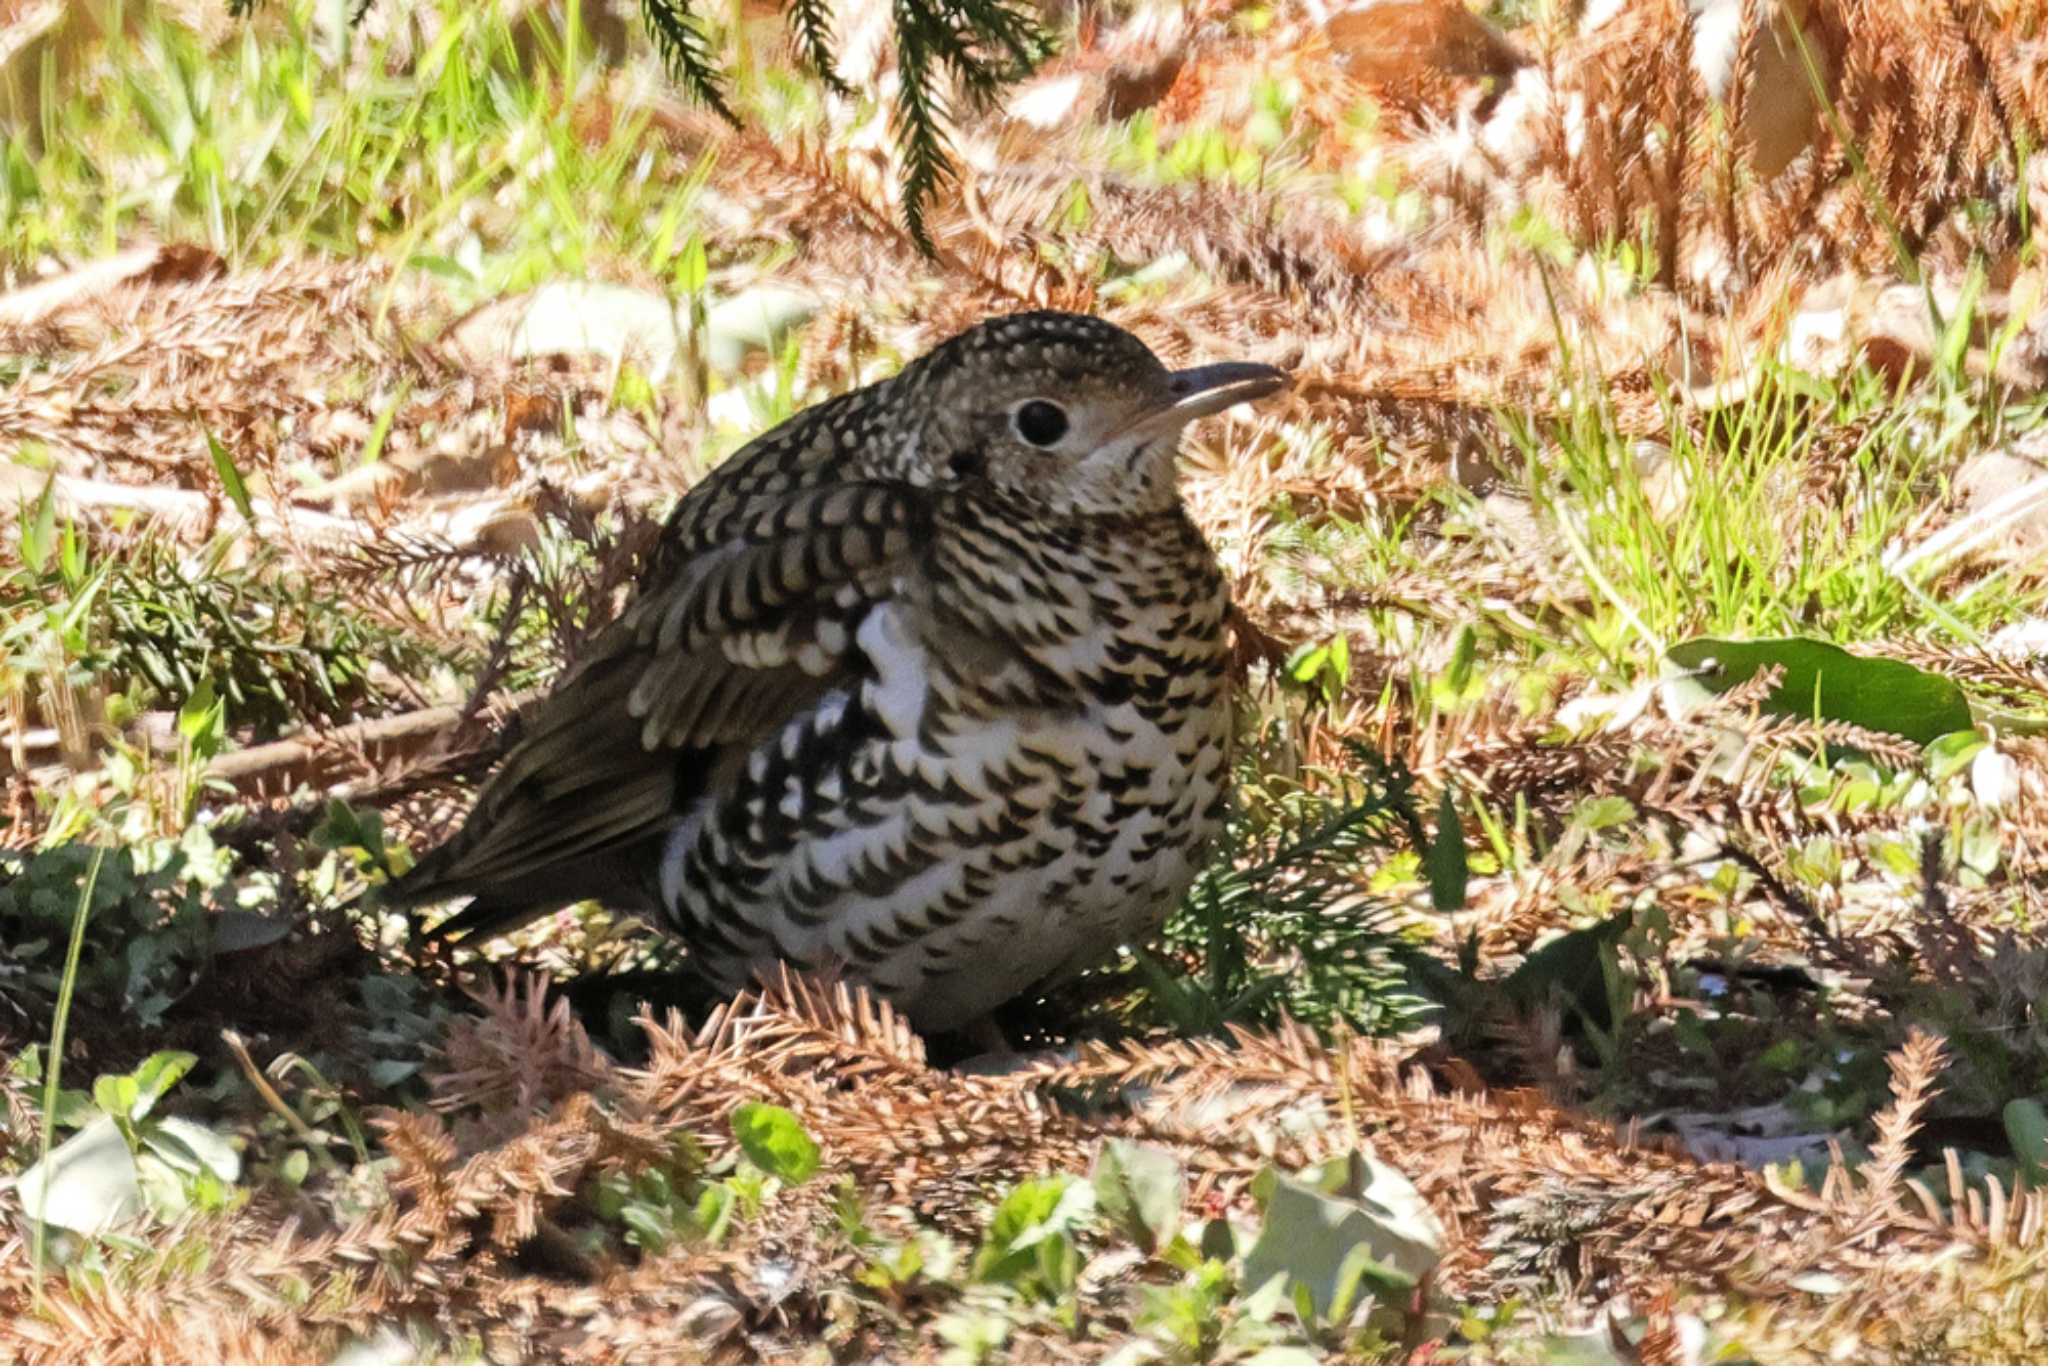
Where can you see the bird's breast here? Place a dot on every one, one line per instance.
(1015, 784)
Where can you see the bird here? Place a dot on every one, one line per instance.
(927, 688)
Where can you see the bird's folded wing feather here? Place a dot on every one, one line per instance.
(729, 641)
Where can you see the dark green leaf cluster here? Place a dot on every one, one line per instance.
(147, 938)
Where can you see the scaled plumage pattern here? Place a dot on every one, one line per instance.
(926, 686)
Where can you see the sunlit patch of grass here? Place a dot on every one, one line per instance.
(282, 140)
(1780, 517)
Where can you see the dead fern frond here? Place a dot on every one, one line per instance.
(1915, 1066)
(522, 1055)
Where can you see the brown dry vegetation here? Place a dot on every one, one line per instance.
(1435, 350)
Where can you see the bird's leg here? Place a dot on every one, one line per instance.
(987, 1049)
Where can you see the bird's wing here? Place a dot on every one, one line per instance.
(748, 618)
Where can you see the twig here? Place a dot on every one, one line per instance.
(403, 733)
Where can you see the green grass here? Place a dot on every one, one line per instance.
(460, 164)
(1340, 903)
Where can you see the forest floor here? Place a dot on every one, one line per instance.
(1628, 945)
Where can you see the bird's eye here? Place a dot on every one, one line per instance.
(1040, 423)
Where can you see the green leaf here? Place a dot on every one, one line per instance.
(693, 267)
(343, 827)
(1375, 1230)
(1786, 1055)
(235, 931)
(200, 718)
(646, 1229)
(775, 1141)
(389, 1072)
(116, 1095)
(1569, 968)
(1459, 675)
(380, 430)
(1446, 862)
(714, 1211)
(39, 528)
(1601, 813)
(2026, 1126)
(230, 477)
(1325, 667)
(156, 1075)
(73, 1109)
(1219, 1240)
(1033, 1216)
(1825, 682)
(1140, 1190)
(1951, 754)
(1961, 325)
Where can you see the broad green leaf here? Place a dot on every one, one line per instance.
(1446, 862)
(1219, 1240)
(87, 1182)
(1376, 1231)
(389, 1072)
(74, 1109)
(1951, 754)
(1459, 674)
(2026, 1127)
(230, 477)
(176, 1170)
(236, 931)
(1601, 813)
(774, 1140)
(343, 827)
(1825, 682)
(1140, 1190)
(199, 720)
(693, 267)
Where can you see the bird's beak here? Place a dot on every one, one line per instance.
(1207, 389)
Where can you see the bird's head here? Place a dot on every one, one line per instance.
(1062, 409)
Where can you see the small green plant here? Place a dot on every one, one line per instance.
(1033, 1243)
(359, 835)
(1348, 1240)
(126, 1157)
(660, 1207)
(774, 1140)
(1283, 919)
(147, 932)
(690, 1200)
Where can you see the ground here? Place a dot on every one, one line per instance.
(1628, 943)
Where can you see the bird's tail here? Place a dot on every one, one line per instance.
(497, 908)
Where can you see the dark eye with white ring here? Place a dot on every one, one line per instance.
(1040, 423)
